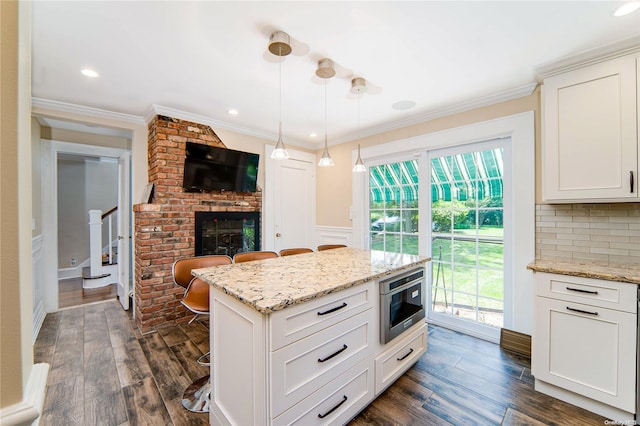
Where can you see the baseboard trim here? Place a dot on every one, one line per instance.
(517, 342)
(28, 411)
(38, 319)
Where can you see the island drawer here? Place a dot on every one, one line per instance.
(336, 402)
(393, 362)
(606, 294)
(303, 367)
(296, 322)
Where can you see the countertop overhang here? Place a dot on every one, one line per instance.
(603, 271)
(273, 284)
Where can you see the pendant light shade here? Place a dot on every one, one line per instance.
(359, 86)
(359, 166)
(325, 70)
(279, 45)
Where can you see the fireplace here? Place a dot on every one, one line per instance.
(226, 232)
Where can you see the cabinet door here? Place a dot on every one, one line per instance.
(589, 148)
(585, 349)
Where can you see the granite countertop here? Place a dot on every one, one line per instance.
(273, 284)
(603, 271)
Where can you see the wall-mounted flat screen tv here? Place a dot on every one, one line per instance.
(209, 168)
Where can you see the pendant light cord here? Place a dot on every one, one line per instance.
(325, 113)
(280, 90)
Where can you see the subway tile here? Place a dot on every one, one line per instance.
(611, 226)
(581, 237)
(610, 238)
(627, 232)
(589, 243)
(574, 249)
(618, 252)
(590, 231)
(627, 246)
(591, 256)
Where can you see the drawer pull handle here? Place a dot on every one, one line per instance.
(581, 311)
(344, 347)
(409, 353)
(631, 180)
(581, 290)
(344, 399)
(337, 308)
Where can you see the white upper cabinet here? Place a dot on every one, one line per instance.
(590, 135)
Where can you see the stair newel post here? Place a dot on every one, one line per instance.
(95, 241)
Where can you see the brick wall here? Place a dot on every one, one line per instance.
(164, 230)
(607, 233)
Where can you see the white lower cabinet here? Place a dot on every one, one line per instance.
(336, 402)
(315, 363)
(584, 343)
(298, 369)
(394, 361)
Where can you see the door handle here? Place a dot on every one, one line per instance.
(631, 180)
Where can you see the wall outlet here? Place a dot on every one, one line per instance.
(73, 261)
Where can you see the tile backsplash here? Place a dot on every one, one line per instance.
(589, 232)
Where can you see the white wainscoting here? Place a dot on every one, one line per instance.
(37, 284)
(334, 235)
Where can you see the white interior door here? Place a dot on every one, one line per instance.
(124, 228)
(290, 207)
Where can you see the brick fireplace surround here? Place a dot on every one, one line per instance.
(164, 229)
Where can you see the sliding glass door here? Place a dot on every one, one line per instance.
(467, 211)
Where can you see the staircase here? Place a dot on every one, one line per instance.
(103, 269)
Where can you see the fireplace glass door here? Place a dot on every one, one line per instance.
(227, 232)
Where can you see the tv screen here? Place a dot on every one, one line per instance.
(208, 168)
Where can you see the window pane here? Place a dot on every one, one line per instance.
(491, 254)
(393, 206)
(441, 249)
(410, 244)
(441, 220)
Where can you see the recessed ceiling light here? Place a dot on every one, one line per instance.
(89, 73)
(233, 112)
(313, 135)
(627, 8)
(400, 105)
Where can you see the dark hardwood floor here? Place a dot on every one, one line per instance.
(71, 293)
(104, 372)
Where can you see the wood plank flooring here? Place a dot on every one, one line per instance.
(71, 293)
(104, 372)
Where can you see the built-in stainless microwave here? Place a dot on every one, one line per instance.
(402, 303)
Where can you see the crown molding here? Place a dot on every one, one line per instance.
(445, 111)
(218, 124)
(589, 57)
(85, 110)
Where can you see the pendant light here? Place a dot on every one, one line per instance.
(359, 86)
(279, 45)
(325, 70)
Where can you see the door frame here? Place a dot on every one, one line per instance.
(269, 204)
(50, 151)
(520, 128)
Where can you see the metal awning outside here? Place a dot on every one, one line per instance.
(461, 176)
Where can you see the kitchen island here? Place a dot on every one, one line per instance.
(296, 339)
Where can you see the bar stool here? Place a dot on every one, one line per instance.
(253, 255)
(197, 396)
(292, 251)
(330, 246)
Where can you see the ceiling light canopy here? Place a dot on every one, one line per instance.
(279, 45)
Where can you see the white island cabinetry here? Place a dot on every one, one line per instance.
(304, 348)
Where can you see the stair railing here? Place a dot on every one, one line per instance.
(96, 222)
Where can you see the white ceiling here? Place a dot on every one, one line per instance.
(203, 58)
